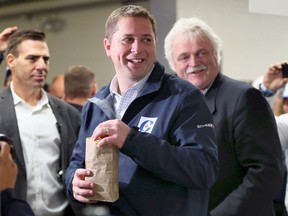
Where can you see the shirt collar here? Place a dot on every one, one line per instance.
(43, 101)
(204, 92)
(137, 86)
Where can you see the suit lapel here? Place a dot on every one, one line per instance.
(62, 128)
(211, 95)
(8, 123)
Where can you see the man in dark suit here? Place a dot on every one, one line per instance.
(44, 129)
(249, 151)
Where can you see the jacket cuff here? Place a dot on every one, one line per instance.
(266, 91)
(7, 195)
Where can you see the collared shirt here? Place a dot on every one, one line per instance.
(204, 92)
(282, 126)
(121, 102)
(41, 149)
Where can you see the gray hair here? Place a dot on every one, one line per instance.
(193, 28)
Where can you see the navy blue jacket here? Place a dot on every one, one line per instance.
(12, 206)
(168, 166)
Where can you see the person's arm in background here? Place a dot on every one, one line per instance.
(4, 37)
(271, 82)
(10, 205)
(273, 79)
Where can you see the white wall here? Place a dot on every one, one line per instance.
(251, 42)
(80, 42)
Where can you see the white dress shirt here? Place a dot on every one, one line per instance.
(282, 126)
(41, 148)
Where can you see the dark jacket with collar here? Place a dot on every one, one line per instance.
(251, 164)
(68, 123)
(168, 170)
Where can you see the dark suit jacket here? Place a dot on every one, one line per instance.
(68, 119)
(249, 151)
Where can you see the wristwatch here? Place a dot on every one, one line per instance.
(266, 91)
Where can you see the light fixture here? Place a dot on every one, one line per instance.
(53, 24)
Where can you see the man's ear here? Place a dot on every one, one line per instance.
(94, 89)
(10, 61)
(107, 46)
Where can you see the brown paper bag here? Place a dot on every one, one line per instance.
(103, 163)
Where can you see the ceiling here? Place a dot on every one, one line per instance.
(13, 2)
(12, 8)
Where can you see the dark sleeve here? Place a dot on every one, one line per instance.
(77, 160)
(11, 206)
(190, 146)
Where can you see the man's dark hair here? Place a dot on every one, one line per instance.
(21, 35)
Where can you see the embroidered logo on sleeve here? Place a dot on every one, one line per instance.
(146, 124)
(206, 125)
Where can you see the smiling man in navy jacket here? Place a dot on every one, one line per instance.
(167, 166)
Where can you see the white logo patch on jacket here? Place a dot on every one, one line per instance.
(146, 124)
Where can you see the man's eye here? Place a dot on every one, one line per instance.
(128, 40)
(147, 40)
(46, 60)
(202, 54)
(32, 58)
(183, 57)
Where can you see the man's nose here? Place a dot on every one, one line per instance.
(136, 46)
(193, 60)
(42, 63)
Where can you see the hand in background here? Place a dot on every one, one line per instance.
(273, 77)
(8, 168)
(4, 37)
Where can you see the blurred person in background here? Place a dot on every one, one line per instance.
(79, 84)
(274, 84)
(56, 87)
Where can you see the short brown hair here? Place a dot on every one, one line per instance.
(127, 11)
(21, 35)
(78, 81)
